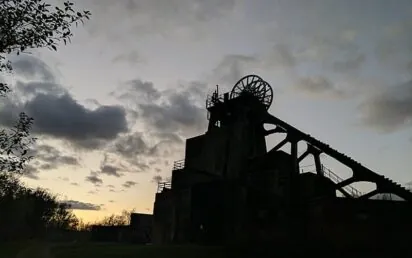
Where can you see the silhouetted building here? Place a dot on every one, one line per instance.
(230, 188)
(141, 228)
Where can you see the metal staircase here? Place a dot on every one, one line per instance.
(336, 179)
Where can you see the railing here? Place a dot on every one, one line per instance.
(163, 185)
(179, 164)
(336, 179)
(214, 98)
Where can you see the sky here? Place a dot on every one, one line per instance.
(113, 108)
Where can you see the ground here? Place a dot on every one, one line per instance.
(36, 249)
(41, 249)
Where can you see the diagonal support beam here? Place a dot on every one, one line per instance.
(275, 130)
(346, 194)
(370, 194)
(304, 155)
(279, 145)
(346, 182)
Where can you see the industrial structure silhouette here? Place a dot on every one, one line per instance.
(230, 188)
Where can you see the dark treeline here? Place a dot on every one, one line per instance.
(27, 213)
(26, 25)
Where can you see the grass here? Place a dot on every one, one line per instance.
(39, 249)
(11, 249)
(126, 251)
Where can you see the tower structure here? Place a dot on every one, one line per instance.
(229, 186)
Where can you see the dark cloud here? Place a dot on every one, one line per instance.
(94, 179)
(179, 113)
(318, 85)
(31, 172)
(30, 67)
(169, 137)
(157, 179)
(33, 88)
(130, 146)
(52, 158)
(129, 184)
(389, 110)
(93, 192)
(74, 184)
(138, 90)
(108, 167)
(57, 114)
(352, 64)
(63, 117)
(110, 170)
(179, 110)
(115, 163)
(76, 205)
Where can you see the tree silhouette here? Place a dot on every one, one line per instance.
(25, 25)
(122, 219)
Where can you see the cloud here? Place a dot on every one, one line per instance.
(130, 58)
(55, 111)
(30, 67)
(179, 113)
(110, 170)
(32, 88)
(281, 56)
(139, 90)
(31, 172)
(179, 110)
(66, 179)
(395, 42)
(232, 67)
(157, 179)
(351, 64)
(107, 167)
(62, 117)
(409, 67)
(318, 85)
(77, 205)
(52, 158)
(129, 184)
(94, 179)
(171, 16)
(388, 110)
(130, 146)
